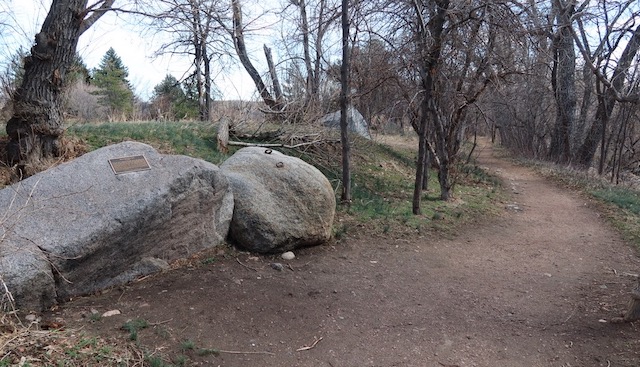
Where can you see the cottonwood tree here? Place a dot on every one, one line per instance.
(36, 124)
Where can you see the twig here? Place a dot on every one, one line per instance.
(246, 266)
(309, 347)
(160, 322)
(121, 294)
(239, 352)
(570, 316)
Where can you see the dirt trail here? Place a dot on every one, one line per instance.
(536, 286)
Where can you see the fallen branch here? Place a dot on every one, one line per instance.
(309, 347)
(246, 266)
(207, 351)
(273, 145)
(160, 322)
(240, 352)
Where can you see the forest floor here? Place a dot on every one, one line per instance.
(537, 285)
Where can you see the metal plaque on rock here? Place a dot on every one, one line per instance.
(129, 164)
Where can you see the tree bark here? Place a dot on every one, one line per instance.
(563, 82)
(428, 69)
(344, 106)
(36, 125)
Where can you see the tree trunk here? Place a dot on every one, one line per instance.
(304, 26)
(425, 174)
(37, 122)
(207, 84)
(428, 69)
(344, 106)
(422, 160)
(277, 89)
(241, 49)
(442, 151)
(564, 83)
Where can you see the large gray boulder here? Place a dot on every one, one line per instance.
(355, 122)
(78, 227)
(281, 202)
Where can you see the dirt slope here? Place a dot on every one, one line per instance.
(537, 286)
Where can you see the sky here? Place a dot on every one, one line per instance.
(134, 47)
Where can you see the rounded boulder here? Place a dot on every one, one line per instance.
(281, 203)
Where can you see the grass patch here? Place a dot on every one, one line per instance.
(195, 139)
(134, 326)
(622, 197)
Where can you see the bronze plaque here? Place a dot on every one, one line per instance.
(129, 164)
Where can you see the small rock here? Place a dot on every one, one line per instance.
(32, 318)
(289, 255)
(277, 266)
(111, 313)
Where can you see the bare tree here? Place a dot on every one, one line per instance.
(36, 124)
(197, 29)
(611, 88)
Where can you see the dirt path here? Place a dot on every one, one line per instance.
(534, 287)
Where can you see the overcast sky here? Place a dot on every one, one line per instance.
(131, 45)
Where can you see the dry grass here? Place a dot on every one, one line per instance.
(33, 345)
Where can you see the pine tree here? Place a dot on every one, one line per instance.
(114, 89)
(171, 101)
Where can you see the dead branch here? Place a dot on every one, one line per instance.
(277, 145)
(316, 341)
(246, 266)
(240, 352)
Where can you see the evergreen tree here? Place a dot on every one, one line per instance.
(114, 89)
(171, 102)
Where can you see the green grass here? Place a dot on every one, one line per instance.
(622, 197)
(134, 326)
(187, 345)
(194, 139)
